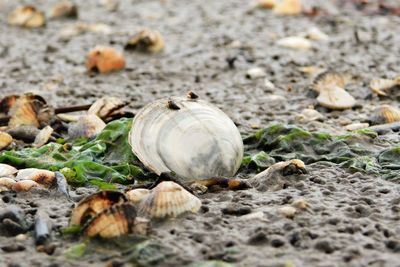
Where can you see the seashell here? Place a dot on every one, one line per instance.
(316, 34)
(191, 138)
(24, 185)
(380, 86)
(308, 115)
(115, 221)
(68, 117)
(7, 170)
(300, 203)
(106, 106)
(40, 176)
(312, 70)
(267, 4)
(329, 78)
(64, 8)
(287, 211)
(5, 140)
(26, 16)
(295, 42)
(86, 126)
(146, 40)
(43, 136)
(255, 73)
(169, 199)
(385, 114)
(136, 195)
(7, 102)
(104, 59)
(27, 133)
(356, 126)
(268, 84)
(288, 7)
(7, 182)
(94, 204)
(99, 28)
(335, 97)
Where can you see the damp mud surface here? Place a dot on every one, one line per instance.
(353, 217)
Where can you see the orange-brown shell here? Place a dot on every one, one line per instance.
(24, 185)
(385, 114)
(5, 140)
(104, 59)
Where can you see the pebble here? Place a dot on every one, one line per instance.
(236, 209)
(255, 73)
(287, 211)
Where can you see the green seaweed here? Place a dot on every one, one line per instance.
(76, 251)
(260, 161)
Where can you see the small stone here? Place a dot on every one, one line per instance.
(236, 209)
(258, 238)
(21, 237)
(287, 211)
(255, 73)
(277, 242)
(356, 126)
(300, 203)
(253, 216)
(324, 246)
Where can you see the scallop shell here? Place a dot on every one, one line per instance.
(26, 16)
(295, 42)
(191, 138)
(329, 78)
(86, 126)
(94, 204)
(335, 97)
(288, 7)
(24, 185)
(104, 59)
(136, 195)
(7, 170)
(380, 86)
(7, 182)
(146, 40)
(64, 8)
(385, 114)
(169, 199)
(43, 136)
(5, 140)
(115, 221)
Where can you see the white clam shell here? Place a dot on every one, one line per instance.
(7, 170)
(197, 141)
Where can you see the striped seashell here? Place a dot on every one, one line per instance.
(136, 195)
(187, 136)
(86, 126)
(385, 114)
(381, 86)
(329, 78)
(168, 199)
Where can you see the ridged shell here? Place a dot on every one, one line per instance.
(146, 40)
(169, 199)
(136, 195)
(26, 16)
(7, 170)
(43, 137)
(104, 59)
(106, 106)
(7, 182)
(385, 114)
(328, 79)
(94, 204)
(380, 86)
(86, 126)
(23, 113)
(5, 140)
(191, 138)
(295, 42)
(334, 97)
(24, 185)
(116, 221)
(42, 177)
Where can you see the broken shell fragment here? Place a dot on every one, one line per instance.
(26, 16)
(7, 170)
(316, 34)
(115, 221)
(356, 126)
(192, 138)
(146, 40)
(295, 42)
(5, 140)
(288, 7)
(136, 195)
(106, 107)
(94, 204)
(267, 4)
(385, 114)
(381, 86)
(255, 73)
(64, 8)
(168, 199)
(86, 126)
(24, 185)
(335, 97)
(43, 137)
(287, 211)
(104, 59)
(308, 115)
(7, 182)
(40, 176)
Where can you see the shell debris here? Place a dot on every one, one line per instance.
(27, 16)
(146, 40)
(104, 59)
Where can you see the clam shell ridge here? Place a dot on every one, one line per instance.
(196, 141)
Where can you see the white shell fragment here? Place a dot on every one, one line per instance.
(168, 199)
(308, 115)
(189, 137)
(43, 136)
(7, 170)
(380, 86)
(335, 97)
(255, 73)
(136, 195)
(295, 42)
(268, 84)
(316, 34)
(287, 211)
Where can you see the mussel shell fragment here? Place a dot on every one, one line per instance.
(94, 204)
(191, 138)
(168, 199)
(86, 126)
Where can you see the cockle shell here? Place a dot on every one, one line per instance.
(169, 199)
(86, 126)
(385, 114)
(94, 204)
(335, 97)
(329, 78)
(189, 137)
(136, 195)
(380, 86)
(5, 140)
(7, 170)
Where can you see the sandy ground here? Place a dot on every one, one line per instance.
(354, 218)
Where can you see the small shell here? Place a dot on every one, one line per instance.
(381, 86)
(94, 204)
(106, 106)
(300, 203)
(86, 126)
(309, 115)
(64, 8)
(104, 59)
(115, 221)
(7, 182)
(385, 114)
(136, 195)
(288, 7)
(43, 136)
(146, 40)
(255, 73)
(356, 126)
(169, 199)
(24, 185)
(316, 34)
(335, 97)
(42, 177)
(295, 42)
(329, 78)
(312, 70)
(68, 117)
(287, 211)
(267, 4)
(7, 170)
(26, 16)
(268, 84)
(5, 140)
